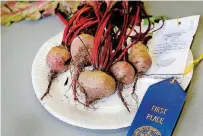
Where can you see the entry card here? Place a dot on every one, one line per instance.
(170, 46)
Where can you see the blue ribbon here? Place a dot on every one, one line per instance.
(159, 110)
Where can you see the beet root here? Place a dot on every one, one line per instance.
(123, 72)
(57, 57)
(120, 90)
(96, 84)
(140, 57)
(52, 76)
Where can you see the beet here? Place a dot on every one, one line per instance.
(96, 84)
(123, 72)
(139, 57)
(81, 50)
(57, 57)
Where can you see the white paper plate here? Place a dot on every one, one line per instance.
(110, 114)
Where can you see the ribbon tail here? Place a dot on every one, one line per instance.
(189, 68)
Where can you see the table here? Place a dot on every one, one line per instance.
(22, 113)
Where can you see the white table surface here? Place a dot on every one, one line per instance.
(23, 115)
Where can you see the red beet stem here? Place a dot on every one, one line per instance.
(70, 26)
(97, 40)
(87, 24)
(62, 18)
(105, 57)
(95, 5)
(137, 19)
